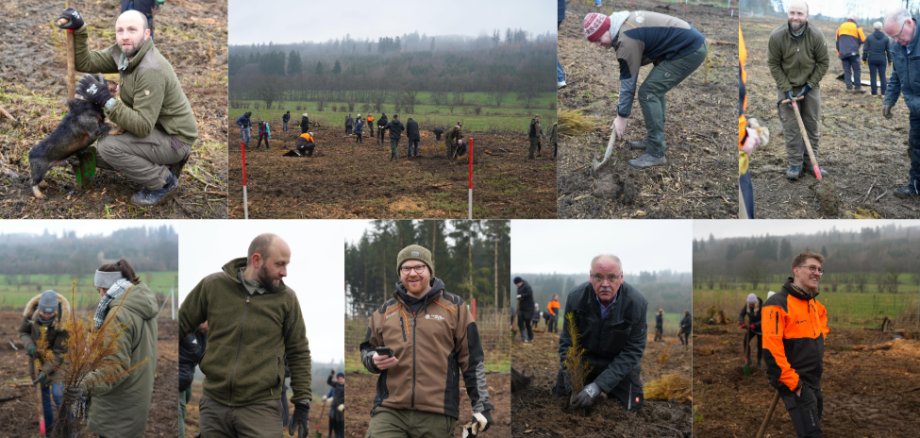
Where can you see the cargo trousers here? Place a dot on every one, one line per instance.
(257, 420)
(145, 160)
(810, 108)
(405, 423)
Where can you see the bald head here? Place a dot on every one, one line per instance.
(606, 258)
(267, 260)
(263, 243)
(131, 32)
(801, 5)
(132, 17)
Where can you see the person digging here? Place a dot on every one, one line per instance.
(639, 38)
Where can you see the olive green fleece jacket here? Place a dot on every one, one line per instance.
(797, 60)
(151, 95)
(248, 339)
(121, 393)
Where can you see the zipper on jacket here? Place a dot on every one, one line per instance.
(402, 327)
(239, 345)
(414, 319)
(811, 321)
(776, 329)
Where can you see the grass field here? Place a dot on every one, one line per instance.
(848, 309)
(511, 116)
(17, 290)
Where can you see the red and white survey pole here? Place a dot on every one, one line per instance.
(245, 196)
(470, 173)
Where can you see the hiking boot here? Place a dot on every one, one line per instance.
(647, 160)
(910, 190)
(146, 197)
(793, 172)
(636, 145)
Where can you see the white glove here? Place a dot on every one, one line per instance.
(341, 407)
(473, 428)
(619, 125)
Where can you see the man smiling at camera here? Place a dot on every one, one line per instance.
(610, 317)
(420, 342)
(794, 326)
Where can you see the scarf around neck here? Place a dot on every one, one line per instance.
(117, 289)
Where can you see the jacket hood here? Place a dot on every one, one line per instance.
(232, 269)
(402, 295)
(139, 300)
(797, 292)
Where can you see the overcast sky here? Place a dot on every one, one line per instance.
(316, 272)
(782, 227)
(81, 226)
(842, 8)
(293, 21)
(567, 246)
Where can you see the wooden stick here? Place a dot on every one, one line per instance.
(766, 420)
(71, 67)
(811, 152)
(608, 152)
(7, 114)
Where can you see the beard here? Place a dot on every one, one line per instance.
(265, 281)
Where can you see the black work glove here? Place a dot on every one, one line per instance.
(586, 397)
(804, 91)
(886, 110)
(94, 90)
(300, 420)
(70, 19)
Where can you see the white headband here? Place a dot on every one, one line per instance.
(105, 280)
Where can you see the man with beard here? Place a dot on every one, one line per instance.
(152, 109)
(798, 60)
(254, 321)
(610, 317)
(794, 326)
(420, 342)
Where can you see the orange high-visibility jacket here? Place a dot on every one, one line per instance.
(553, 307)
(794, 328)
(309, 138)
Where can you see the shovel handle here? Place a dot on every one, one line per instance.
(766, 420)
(811, 152)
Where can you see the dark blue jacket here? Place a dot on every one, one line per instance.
(614, 345)
(560, 12)
(525, 303)
(412, 130)
(244, 121)
(878, 48)
(905, 76)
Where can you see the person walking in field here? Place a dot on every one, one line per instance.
(284, 121)
(877, 55)
(396, 128)
(849, 39)
(659, 324)
(265, 133)
(382, 123)
(420, 342)
(638, 38)
(535, 134)
(413, 135)
(794, 333)
(686, 326)
(359, 129)
(370, 124)
(349, 124)
(245, 123)
(525, 307)
(552, 311)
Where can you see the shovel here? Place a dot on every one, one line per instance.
(766, 420)
(42, 429)
(798, 118)
(746, 368)
(613, 138)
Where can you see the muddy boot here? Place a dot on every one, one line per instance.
(793, 172)
(635, 145)
(648, 160)
(909, 191)
(147, 198)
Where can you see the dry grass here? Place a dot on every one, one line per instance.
(671, 386)
(574, 122)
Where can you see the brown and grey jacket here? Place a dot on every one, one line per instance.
(435, 340)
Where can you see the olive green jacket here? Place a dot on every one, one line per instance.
(797, 60)
(151, 95)
(248, 339)
(121, 392)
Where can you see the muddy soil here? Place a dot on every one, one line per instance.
(866, 393)
(345, 179)
(18, 415)
(359, 402)
(537, 413)
(863, 153)
(191, 34)
(700, 128)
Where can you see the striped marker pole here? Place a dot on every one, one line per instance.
(245, 195)
(470, 174)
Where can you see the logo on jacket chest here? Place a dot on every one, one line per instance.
(435, 317)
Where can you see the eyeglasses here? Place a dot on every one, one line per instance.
(814, 269)
(609, 277)
(417, 268)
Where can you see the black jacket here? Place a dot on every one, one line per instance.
(382, 121)
(659, 320)
(191, 349)
(396, 128)
(751, 317)
(877, 49)
(304, 124)
(286, 117)
(338, 396)
(525, 302)
(412, 130)
(615, 344)
(686, 323)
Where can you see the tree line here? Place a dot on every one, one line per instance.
(471, 257)
(146, 248)
(853, 260)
